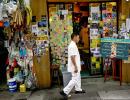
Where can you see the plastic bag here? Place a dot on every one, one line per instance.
(1, 7)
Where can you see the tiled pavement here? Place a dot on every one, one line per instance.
(95, 88)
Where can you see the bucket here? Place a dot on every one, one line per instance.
(12, 85)
(22, 88)
(66, 77)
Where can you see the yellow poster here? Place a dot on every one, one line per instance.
(97, 65)
(93, 45)
(93, 59)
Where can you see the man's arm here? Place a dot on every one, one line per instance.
(74, 63)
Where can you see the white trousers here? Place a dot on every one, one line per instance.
(74, 82)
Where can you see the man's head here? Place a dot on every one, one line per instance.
(75, 37)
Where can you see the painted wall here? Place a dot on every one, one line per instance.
(39, 8)
(124, 8)
(42, 64)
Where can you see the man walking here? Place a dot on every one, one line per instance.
(74, 67)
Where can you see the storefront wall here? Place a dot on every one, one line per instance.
(42, 63)
(96, 69)
(125, 13)
(39, 8)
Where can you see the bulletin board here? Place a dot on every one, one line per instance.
(103, 22)
(95, 34)
(109, 17)
(61, 28)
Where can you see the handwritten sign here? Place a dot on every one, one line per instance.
(115, 48)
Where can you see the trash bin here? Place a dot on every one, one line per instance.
(66, 77)
(12, 85)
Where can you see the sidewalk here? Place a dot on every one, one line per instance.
(95, 88)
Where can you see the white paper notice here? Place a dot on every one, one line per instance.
(35, 29)
(95, 9)
(64, 12)
(128, 24)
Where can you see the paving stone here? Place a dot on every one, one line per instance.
(118, 95)
(95, 88)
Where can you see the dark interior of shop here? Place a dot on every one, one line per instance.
(80, 23)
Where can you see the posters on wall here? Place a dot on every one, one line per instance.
(102, 22)
(40, 37)
(109, 17)
(61, 28)
(35, 29)
(94, 20)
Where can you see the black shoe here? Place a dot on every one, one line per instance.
(64, 95)
(80, 92)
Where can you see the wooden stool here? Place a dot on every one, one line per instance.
(55, 73)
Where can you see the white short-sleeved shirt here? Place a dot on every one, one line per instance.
(73, 51)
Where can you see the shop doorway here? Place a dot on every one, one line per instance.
(91, 21)
(80, 26)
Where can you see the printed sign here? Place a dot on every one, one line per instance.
(115, 48)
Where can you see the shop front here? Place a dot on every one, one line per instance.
(24, 47)
(92, 21)
(16, 66)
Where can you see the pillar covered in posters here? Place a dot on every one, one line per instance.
(41, 52)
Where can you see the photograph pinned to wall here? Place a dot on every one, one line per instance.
(64, 12)
(98, 65)
(61, 6)
(89, 19)
(114, 9)
(43, 23)
(104, 6)
(109, 15)
(97, 53)
(109, 5)
(43, 17)
(93, 65)
(43, 32)
(95, 8)
(95, 12)
(35, 29)
(114, 15)
(95, 25)
(41, 44)
(94, 31)
(95, 16)
(94, 36)
(46, 43)
(104, 15)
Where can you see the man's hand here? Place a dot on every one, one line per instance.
(76, 70)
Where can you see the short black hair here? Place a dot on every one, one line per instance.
(73, 35)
